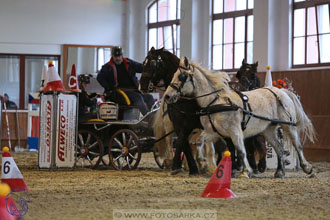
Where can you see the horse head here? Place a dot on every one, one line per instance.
(182, 82)
(247, 76)
(159, 65)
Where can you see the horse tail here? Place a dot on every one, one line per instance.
(162, 125)
(304, 124)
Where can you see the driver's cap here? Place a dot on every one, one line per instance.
(116, 51)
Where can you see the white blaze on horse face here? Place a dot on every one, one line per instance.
(188, 87)
(146, 62)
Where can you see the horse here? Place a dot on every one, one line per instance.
(272, 107)
(181, 114)
(158, 69)
(248, 80)
(247, 76)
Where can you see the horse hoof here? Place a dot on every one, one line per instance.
(255, 175)
(312, 175)
(168, 164)
(255, 171)
(279, 174)
(174, 172)
(204, 168)
(193, 173)
(308, 168)
(244, 175)
(262, 167)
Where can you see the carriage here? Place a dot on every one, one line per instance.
(117, 136)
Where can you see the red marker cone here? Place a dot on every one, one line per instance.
(4, 201)
(10, 173)
(73, 82)
(219, 184)
(54, 82)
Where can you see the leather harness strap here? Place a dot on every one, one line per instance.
(246, 105)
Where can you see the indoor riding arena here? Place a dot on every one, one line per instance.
(165, 109)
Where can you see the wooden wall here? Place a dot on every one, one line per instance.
(313, 86)
(14, 126)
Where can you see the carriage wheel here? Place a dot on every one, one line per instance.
(124, 150)
(159, 162)
(89, 149)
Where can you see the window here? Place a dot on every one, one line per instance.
(103, 56)
(21, 74)
(164, 25)
(232, 33)
(311, 33)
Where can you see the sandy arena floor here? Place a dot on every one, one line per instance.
(94, 194)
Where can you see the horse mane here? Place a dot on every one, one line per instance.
(217, 79)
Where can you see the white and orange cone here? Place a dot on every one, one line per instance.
(268, 79)
(10, 173)
(54, 82)
(73, 81)
(4, 200)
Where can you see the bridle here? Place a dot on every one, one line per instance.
(248, 84)
(183, 76)
(155, 65)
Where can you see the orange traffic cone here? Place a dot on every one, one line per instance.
(73, 82)
(54, 82)
(10, 173)
(219, 184)
(5, 199)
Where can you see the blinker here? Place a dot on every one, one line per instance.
(153, 64)
(183, 77)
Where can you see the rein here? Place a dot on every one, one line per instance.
(212, 109)
(196, 97)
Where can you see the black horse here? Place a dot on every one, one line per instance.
(158, 69)
(160, 65)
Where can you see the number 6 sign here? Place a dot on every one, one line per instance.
(10, 173)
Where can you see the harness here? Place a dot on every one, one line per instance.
(246, 105)
(246, 109)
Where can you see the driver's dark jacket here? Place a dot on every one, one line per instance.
(106, 76)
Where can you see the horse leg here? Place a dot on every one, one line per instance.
(168, 140)
(210, 157)
(241, 153)
(177, 162)
(261, 147)
(293, 134)
(200, 158)
(162, 126)
(271, 136)
(193, 169)
(250, 149)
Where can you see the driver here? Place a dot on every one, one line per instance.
(87, 102)
(120, 72)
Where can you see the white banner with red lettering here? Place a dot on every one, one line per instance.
(46, 130)
(65, 130)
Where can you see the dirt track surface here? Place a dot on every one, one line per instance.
(94, 194)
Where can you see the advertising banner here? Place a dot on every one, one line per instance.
(65, 130)
(46, 131)
(271, 159)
